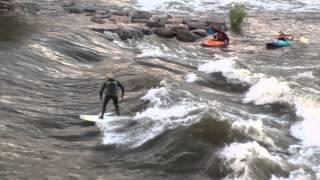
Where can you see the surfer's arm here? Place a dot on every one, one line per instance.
(102, 89)
(122, 88)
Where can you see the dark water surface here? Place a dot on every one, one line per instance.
(190, 113)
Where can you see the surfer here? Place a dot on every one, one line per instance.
(111, 93)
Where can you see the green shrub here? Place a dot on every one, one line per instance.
(237, 14)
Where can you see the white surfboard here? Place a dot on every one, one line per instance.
(95, 118)
(107, 116)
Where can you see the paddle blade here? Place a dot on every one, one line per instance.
(304, 40)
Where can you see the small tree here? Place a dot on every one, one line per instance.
(237, 14)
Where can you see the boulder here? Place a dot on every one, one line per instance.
(89, 9)
(195, 24)
(222, 26)
(119, 19)
(139, 20)
(121, 13)
(98, 20)
(187, 36)
(200, 32)
(140, 15)
(110, 35)
(176, 27)
(165, 32)
(129, 33)
(146, 31)
(154, 24)
(74, 10)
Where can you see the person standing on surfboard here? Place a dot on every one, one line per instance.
(111, 86)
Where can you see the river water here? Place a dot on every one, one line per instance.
(190, 113)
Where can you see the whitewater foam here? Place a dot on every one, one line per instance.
(191, 77)
(268, 91)
(238, 156)
(164, 113)
(228, 67)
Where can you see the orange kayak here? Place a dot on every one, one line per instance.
(212, 43)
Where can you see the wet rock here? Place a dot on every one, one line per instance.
(90, 9)
(108, 26)
(155, 24)
(165, 32)
(103, 11)
(74, 10)
(176, 27)
(98, 20)
(68, 4)
(222, 26)
(102, 16)
(140, 15)
(129, 33)
(175, 20)
(120, 13)
(187, 36)
(146, 31)
(119, 19)
(192, 24)
(161, 19)
(200, 32)
(110, 36)
(139, 20)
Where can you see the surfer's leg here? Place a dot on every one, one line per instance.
(115, 102)
(105, 102)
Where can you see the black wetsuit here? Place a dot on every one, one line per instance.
(111, 93)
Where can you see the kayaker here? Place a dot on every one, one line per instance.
(221, 36)
(284, 37)
(111, 93)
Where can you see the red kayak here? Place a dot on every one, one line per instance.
(212, 43)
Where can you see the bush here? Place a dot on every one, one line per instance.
(237, 14)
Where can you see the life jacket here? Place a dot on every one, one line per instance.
(111, 86)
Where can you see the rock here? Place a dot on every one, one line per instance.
(165, 32)
(68, 4)
(129, 33)
(108, 26)
(176, 27)
(222, 26)
(146, 31)
(161, 19)
(98, 20)
(175, 20)
(140, 15)
(110, 36)
(187, 36)
(153, 24)
(120, 13)
(89, 9)
(139, 20)
(195, 24)
(119, 19)
(74, 10)
(200, 32)
(103, 11)
(102, 16)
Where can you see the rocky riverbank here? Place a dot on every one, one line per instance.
(129, 23)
